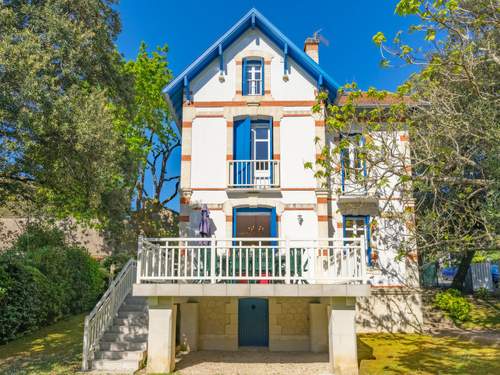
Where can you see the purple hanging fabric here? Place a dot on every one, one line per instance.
(205, 222)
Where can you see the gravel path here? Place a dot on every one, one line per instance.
(252, 363)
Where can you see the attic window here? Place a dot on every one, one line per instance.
(253, 77)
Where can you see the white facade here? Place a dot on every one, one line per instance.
(304, 210)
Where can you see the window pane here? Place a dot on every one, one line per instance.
(261, 133)
(261, 151)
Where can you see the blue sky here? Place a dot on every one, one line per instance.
(191, 26)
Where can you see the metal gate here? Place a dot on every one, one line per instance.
(253, 322)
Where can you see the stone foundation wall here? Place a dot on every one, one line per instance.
(289, 324)
(390, 310)
(218, 323)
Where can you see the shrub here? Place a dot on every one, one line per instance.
(454, 304)
(42, 279)
(27, 303)
(482, 293)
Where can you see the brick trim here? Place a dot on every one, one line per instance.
(187, 124)
(319, 123)
(207, 189)
(183, 218)
(322, 218)
(186, 158)
(322, 200)
(305, 114)
(201, 115)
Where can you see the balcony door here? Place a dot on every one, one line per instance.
(261, 152)
(253, 150)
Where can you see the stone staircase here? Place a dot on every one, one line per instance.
(123, 346)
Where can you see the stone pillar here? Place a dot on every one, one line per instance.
(318, 328)
(343, 347)
(161, 335)
(189, 325)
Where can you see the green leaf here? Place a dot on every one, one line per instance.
(379, 38)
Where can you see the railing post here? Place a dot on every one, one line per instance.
(139, 259)
(85, 354)
(213, 254)
(364, 258)
(313, 252)
(287, 261)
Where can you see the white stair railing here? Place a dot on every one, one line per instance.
(105, 310)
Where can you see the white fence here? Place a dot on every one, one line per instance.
(253, 173)
(263, 260)
(104, 312)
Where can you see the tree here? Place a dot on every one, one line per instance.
(448, 176)
(152, 137)
(61, 83)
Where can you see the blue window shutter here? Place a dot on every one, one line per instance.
(262, 81)
(241, 141)
(244, 87)
(368, 245)
(274, 223)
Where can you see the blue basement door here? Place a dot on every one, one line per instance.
(253, 322)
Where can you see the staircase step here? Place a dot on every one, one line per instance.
(133, 307)
(130, 329)
(128, 365)
(136, 300)
(124, 337)
(141, 321)
(114, 354)
(131, 314)
(122, 346)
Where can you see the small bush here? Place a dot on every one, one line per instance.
(482, 293)
(42, 279)
(454, 304)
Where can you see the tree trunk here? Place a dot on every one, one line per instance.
(459, 279)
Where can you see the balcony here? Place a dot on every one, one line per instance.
(251, 260)
(253, 174)
(354, 197)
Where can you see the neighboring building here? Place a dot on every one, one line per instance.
(244, 110)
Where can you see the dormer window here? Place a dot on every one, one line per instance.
(253, 77)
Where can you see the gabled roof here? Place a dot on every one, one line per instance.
(174, 90)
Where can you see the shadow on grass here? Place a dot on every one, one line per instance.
(420, 354)
(52, 350)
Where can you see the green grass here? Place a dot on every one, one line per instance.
(53, 350)
(421, 354)
(57, 350)
(484, 314)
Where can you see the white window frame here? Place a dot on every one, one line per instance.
(254, 140)
(254, 86)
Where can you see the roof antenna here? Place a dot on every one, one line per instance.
(320, 38)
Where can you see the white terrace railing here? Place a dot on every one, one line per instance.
(106, 309)
(253, 174)
(258, 260)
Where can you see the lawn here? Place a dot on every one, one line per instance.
(484, 314)
(57, 350)
(54, 350)
(421, 354)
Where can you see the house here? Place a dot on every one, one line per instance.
(289, 265)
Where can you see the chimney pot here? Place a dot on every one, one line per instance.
(311, 47)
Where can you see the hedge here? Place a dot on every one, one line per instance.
(42, 279)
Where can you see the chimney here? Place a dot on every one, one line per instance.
(311, 47)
